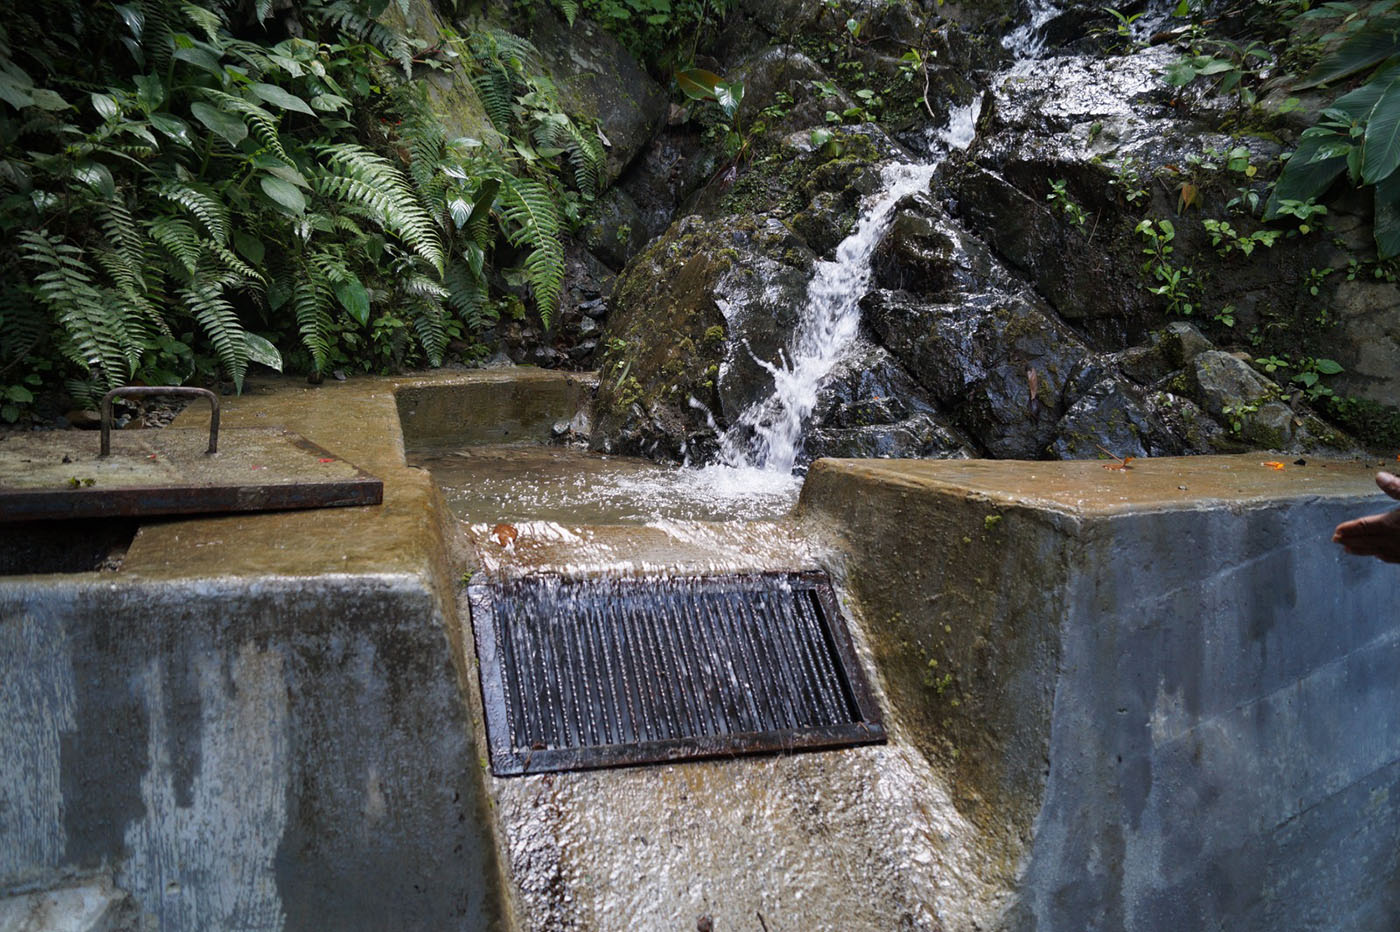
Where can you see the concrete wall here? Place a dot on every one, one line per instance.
(1166, 698)
(281, 753)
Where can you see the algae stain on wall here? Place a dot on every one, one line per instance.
(209, 863)
(37, 705)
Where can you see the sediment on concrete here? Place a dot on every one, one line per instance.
(1165, 698)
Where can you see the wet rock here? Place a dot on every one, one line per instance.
(920, 437)
(1112, 416)
(704, 313)
(598, 78)
(1223, 381)
(672, 167)
(997, 364)
(616, 229)
(784, 69)
(1169, 349)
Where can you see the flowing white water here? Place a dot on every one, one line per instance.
(768, 436)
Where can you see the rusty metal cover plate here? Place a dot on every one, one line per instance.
(590, 673)
(57, 474)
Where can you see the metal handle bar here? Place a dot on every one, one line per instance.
(146, 391)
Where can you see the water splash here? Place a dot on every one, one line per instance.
(1027, 41)
(768, 435)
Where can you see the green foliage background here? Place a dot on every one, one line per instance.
(187, 188)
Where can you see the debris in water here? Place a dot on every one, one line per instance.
(505, 534)
(1123, 461)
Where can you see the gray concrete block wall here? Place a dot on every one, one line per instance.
(1222, 749)
(1228, 687)
(282, 753)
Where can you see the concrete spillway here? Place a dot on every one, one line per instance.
(1152, 699)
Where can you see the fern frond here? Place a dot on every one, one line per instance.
(23, 325)
(261, 124)
(246, 275)
(467, 295)
(207, 21)
(179, 239)
(348, 19)
(429, 318)
(311, 302)
(488, 43)
(206, 303)
(583, 148)
(532, 221)
(203, 203)
(359, 177)
(497, 92)
(96, 328)
(122, 233)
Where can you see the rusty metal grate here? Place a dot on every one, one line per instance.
(600, 673)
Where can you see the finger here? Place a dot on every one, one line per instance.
(1389, 484)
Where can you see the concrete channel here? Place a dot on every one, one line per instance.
(1152, 699)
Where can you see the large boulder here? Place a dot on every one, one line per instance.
(999, 367)
(691, 319)
(450, 93)
(596, 77)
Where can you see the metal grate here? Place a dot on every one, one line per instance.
(599, 673)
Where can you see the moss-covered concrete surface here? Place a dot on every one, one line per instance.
(1162, 695)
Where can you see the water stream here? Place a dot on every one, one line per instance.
(768, 435)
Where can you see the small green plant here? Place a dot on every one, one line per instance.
(728, 97)
(1236, 415)
(1127, 179)
(1174, 285)
(1310, 373)
(1226, 239)
(1072, 211)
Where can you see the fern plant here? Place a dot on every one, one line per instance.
(182, 201)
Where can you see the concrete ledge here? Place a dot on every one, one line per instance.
(1162, 694)
(260, 721)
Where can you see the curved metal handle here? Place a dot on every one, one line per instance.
(136, 391)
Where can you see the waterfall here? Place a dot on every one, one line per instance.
(768, 435)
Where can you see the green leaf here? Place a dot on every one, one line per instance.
(174, 127)
(105, 105)
(284, 193)
(698, 84)
(150, 92)
(272, 94)
(249, 246)
(16, 87)
(96, 176)
(729, 97)
(1358, 104)
(201, 59)
(285, 172)
(1367, 47)
(1381, 150)
(1180, 73)
(231, 128)
(1327, 366)
(20, 394)
(263, 352)
(1303, 178)
(1387, 222)
(46, 99)
(354, 298)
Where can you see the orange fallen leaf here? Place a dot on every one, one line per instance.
(1272, 464)
(328, 459)
(505, 534)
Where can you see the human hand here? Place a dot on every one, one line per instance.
(1375, 535)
